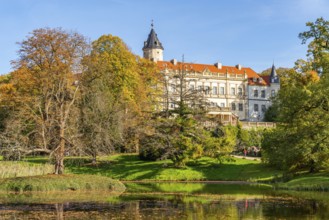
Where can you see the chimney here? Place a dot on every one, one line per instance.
(218, 65)
(174, 61)
(239, 67)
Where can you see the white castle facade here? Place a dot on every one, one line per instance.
(234, 92)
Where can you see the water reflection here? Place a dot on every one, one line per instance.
(182, 201)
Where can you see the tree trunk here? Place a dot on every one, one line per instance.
(312, 166)
(59, 164)
(94, 158)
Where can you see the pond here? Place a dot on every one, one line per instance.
(170, 201)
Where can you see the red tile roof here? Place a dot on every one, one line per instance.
(162, 65)
(267, 79)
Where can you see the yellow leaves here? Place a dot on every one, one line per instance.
(7, 88)
(311, 77)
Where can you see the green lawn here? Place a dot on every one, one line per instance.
(317, 181)
(130, 167)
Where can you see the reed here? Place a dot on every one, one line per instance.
(9, 169)
(68, 182)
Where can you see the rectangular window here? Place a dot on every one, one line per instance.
(199, 89)
(191, 87)
(240, 91)
(232, 91)
(256, 107)
(255, 93)
(221, 90)
(233, 106)
(207, 90)
(222, 104)
(240, 107)
(214, 90)
(273, 93)
(263, 108)
(263, 93)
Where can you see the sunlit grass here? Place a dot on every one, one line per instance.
(307, 183)
(49, 183)
(10, 169)
(130, 167)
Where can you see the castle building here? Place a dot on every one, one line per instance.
(232, 92)
(153, 49)
(260, 91)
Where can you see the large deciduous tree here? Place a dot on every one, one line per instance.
(45, 91)
(116, 96)
(318, 48)
(301, 140)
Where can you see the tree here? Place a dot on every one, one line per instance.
(301, 139)
(117, 89)
(318, 48)
(45, 91)
(179, 133)
(221, 142)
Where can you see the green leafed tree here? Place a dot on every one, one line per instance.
(179, 133)
(301, 140)
(117, 92)
(318, 48)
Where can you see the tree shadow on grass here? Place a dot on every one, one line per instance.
(123, 167)
(234, 171)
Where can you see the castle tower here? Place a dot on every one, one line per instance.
(274, 78)
(274, 82)
(153, 49)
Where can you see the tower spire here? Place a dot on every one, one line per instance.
(274, 78)
(153, 49)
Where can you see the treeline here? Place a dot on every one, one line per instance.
(67, 96)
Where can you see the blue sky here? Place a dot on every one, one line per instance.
(252, 33)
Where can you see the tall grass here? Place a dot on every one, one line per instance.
(307, 183)
(9, 169)
(49, 183)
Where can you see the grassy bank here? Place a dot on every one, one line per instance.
(307, 182)
(130, 167)
(48, 183)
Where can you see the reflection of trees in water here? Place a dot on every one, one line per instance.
(176, 207)
(59, 211)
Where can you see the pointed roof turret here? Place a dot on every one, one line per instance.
(274, 78)
(152, 41)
